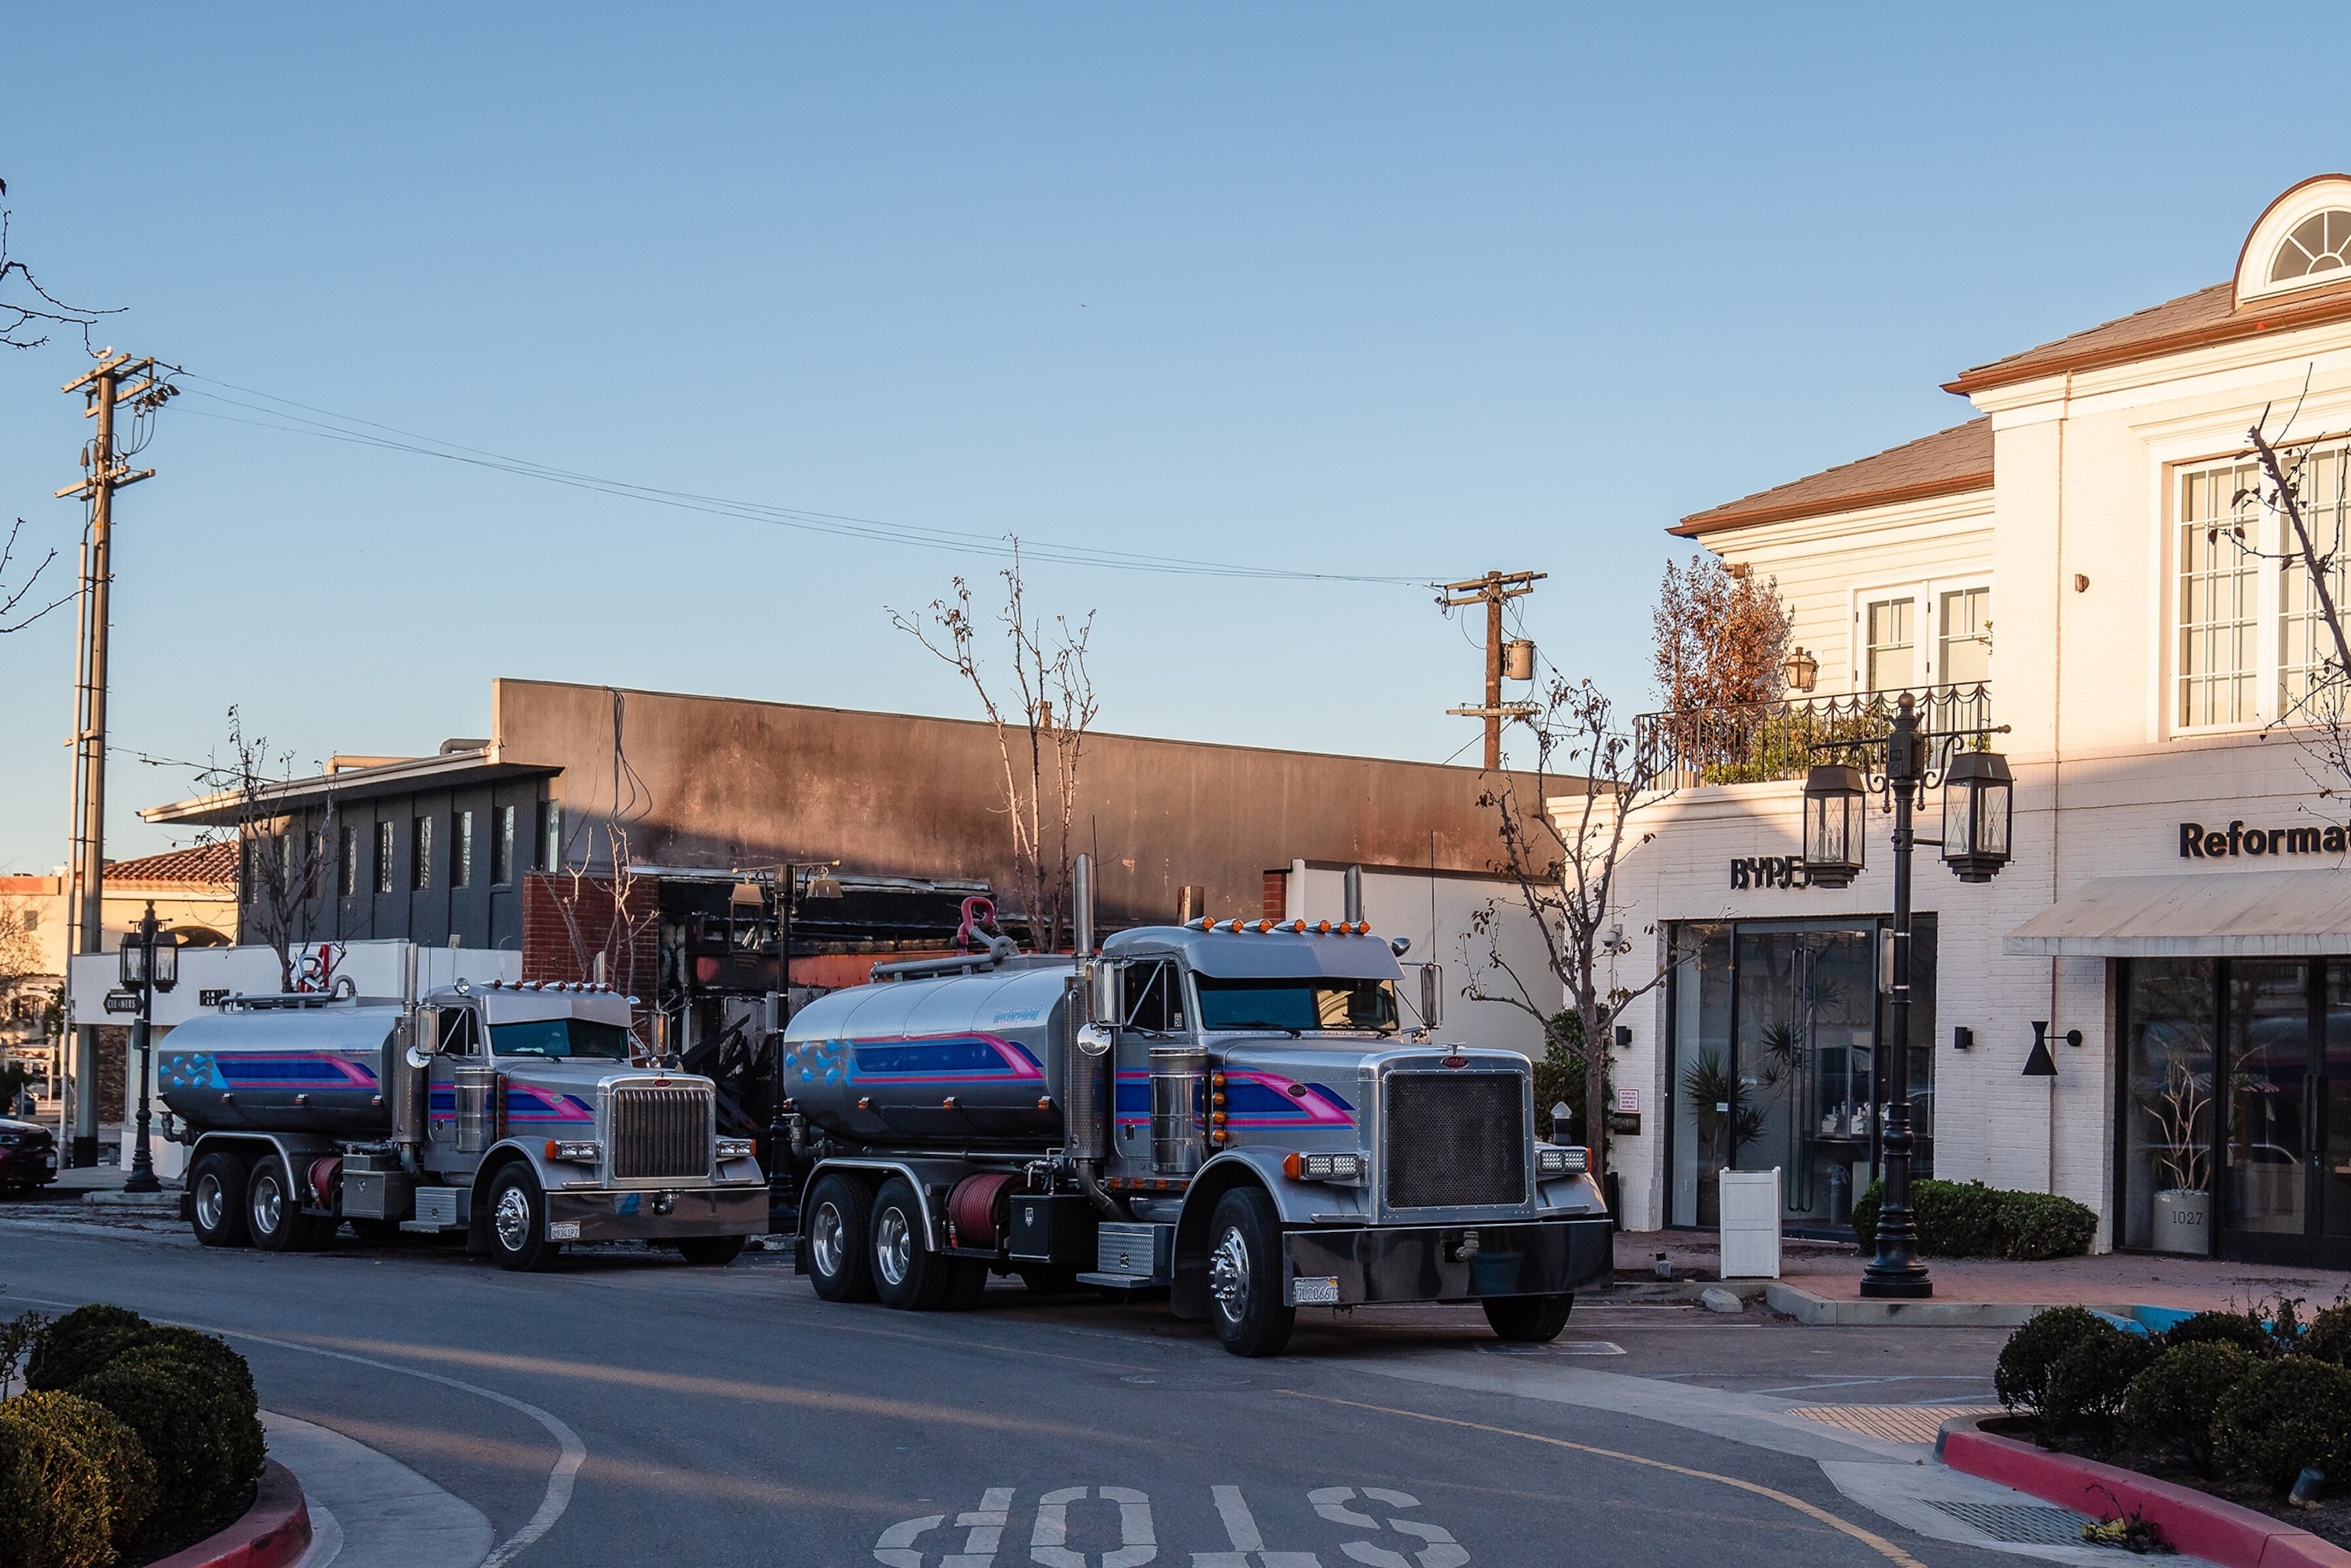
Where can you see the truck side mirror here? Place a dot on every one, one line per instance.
(1432, 995)
(423, 1030)
(1105, 1001)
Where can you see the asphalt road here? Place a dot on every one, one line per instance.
(728, 1416)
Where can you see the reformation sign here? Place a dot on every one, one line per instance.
(2199, 842)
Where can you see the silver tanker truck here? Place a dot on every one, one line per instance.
(512, 1113)
(1232, 1109)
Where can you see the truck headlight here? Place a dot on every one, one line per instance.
(735, 1149)
(1343, 1168)
(1551, 1162)
(584, 1153)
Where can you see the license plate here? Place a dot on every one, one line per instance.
(563, 1230)
(1321, 1292)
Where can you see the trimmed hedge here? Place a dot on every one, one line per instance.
(199, 1425)
(76, 1484)
(2242, 1331)
(2291, 1412)
(2090, 1379)
(80, 1342)
(2021, 1378)
(2328, 1337)
(1968, 1219)
(2172, 1403)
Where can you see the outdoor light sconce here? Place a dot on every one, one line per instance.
(1802, 670)
(1836, 801)
(2040, 1063)
(1978, 805)
(1963, 1038)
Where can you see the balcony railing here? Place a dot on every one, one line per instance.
(1766, 741)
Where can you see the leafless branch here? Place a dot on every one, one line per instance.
(284, 860)
(11, 598)
(28, 312)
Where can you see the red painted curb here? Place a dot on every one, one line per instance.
(273, 1532)
(2196, 1522)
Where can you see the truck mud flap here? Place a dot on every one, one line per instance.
(1447, 1263)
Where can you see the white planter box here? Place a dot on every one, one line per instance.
(1750, 1224)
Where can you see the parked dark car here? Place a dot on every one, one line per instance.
(28, 1156)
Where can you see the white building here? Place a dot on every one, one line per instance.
(2068, 565)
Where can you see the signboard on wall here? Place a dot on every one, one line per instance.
(2200, 842)
(1768, 871)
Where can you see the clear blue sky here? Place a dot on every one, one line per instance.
(1365, 288)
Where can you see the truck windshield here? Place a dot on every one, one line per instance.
(1317, 1002)
(561, 1037)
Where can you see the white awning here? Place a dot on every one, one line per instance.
(2219, 914)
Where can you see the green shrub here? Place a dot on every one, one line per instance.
(2291, 1412)
(2328, 1337)
(197, 1424)
(2092, 1376)
(1968, 1219)
(56, 1512)
(2242, 1331)
(80, 1342)
(2021, 1378)
(2171, 1403)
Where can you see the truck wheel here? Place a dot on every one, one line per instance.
(518, 1222)
(906, 1274)
(1528, 1320)
(1245, 1274)
(272, 1210)
(217, 1199)
(840, 1212)
(711, 1251)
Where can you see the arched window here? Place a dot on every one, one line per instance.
(2321, 243)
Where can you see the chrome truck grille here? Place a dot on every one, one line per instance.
(660, 1133)
(1455, 1140)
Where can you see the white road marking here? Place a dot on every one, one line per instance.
(1240, 1527)
(1049, 1544)
(1441, 1550)
(896, 1548)
(986, 1526)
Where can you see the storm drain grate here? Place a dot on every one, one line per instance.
(2021, 1525)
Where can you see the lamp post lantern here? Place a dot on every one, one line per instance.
(1978, 799)
(151, 963)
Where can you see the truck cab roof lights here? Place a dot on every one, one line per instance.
(1294, 927)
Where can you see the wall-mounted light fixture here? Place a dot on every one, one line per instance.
(1963, 1038)
(2039, 1064)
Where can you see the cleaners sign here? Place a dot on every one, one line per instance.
(2199, 842)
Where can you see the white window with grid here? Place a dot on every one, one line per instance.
(2306, 643)
(2219, 531)
(1889, 645)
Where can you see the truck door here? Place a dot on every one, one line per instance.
(1152, 1042)
(462, 1119)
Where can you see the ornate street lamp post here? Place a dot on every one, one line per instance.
(151, 963)
(1978, 805)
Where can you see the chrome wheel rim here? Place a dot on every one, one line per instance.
(212, 1202)
(824, 1240)
(1228, 1275)
(894, 1247)
(268, 1205)
(511, 1219)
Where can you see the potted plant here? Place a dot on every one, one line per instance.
(2183, 1204)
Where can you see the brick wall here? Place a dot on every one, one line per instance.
(566, 921)
(1276, 903)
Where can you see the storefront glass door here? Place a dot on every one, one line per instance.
(2269, 1069)
(2334, 1172)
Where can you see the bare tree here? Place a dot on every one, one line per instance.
(1720, 636)
(11, 620)
(607, 909)
(1039, 736)
(284, 861)
(28, 312)
(1561, 854)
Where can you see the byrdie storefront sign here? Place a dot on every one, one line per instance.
(2198, 841)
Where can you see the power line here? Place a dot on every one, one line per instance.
(289, 416)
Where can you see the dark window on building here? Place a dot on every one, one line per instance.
(502, 848)
(420, 854)
(550, 836)
(348, 878)
(461, 851)
(384, 857)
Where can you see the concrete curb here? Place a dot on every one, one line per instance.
(273, 1532)
(2196, 1524)
(1808, 1307)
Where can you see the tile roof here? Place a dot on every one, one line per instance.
(1948, 463)
(2192, 322)
(205, 864)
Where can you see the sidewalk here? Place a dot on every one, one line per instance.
(1832, 1272)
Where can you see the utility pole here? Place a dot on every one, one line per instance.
(102, 387)
(1491, 590)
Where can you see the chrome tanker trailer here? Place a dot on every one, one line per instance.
(1235, 1111)
(516, 1115)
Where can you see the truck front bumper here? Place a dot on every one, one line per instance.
(656, 1215)
(1448, 1262)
